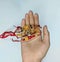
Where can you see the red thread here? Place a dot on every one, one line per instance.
(6, 34)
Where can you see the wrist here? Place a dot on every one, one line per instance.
(30, 60)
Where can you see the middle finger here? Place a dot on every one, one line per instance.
(31, 18)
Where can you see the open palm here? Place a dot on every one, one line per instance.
(35, 49)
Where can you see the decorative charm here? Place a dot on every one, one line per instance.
(26, 32)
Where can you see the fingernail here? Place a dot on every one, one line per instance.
(30, 12)
(36, 13)
(46, 26)
(26, 15)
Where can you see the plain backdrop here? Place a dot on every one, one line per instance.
(12, 12)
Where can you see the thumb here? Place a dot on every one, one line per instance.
(46, 36)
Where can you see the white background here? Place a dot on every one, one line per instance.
(12, 12)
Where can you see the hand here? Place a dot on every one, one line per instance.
(35, 49)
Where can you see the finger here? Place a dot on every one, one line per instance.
(36, 18)
(31, 18)
(23, 22)
(46, 36)
(27, 19)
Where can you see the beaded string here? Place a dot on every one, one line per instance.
(26, 32)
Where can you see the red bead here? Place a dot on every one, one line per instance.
(33, 35)
(29, 37)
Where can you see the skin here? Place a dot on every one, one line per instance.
(35, 49)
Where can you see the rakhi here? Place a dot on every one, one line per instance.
(26, 33)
